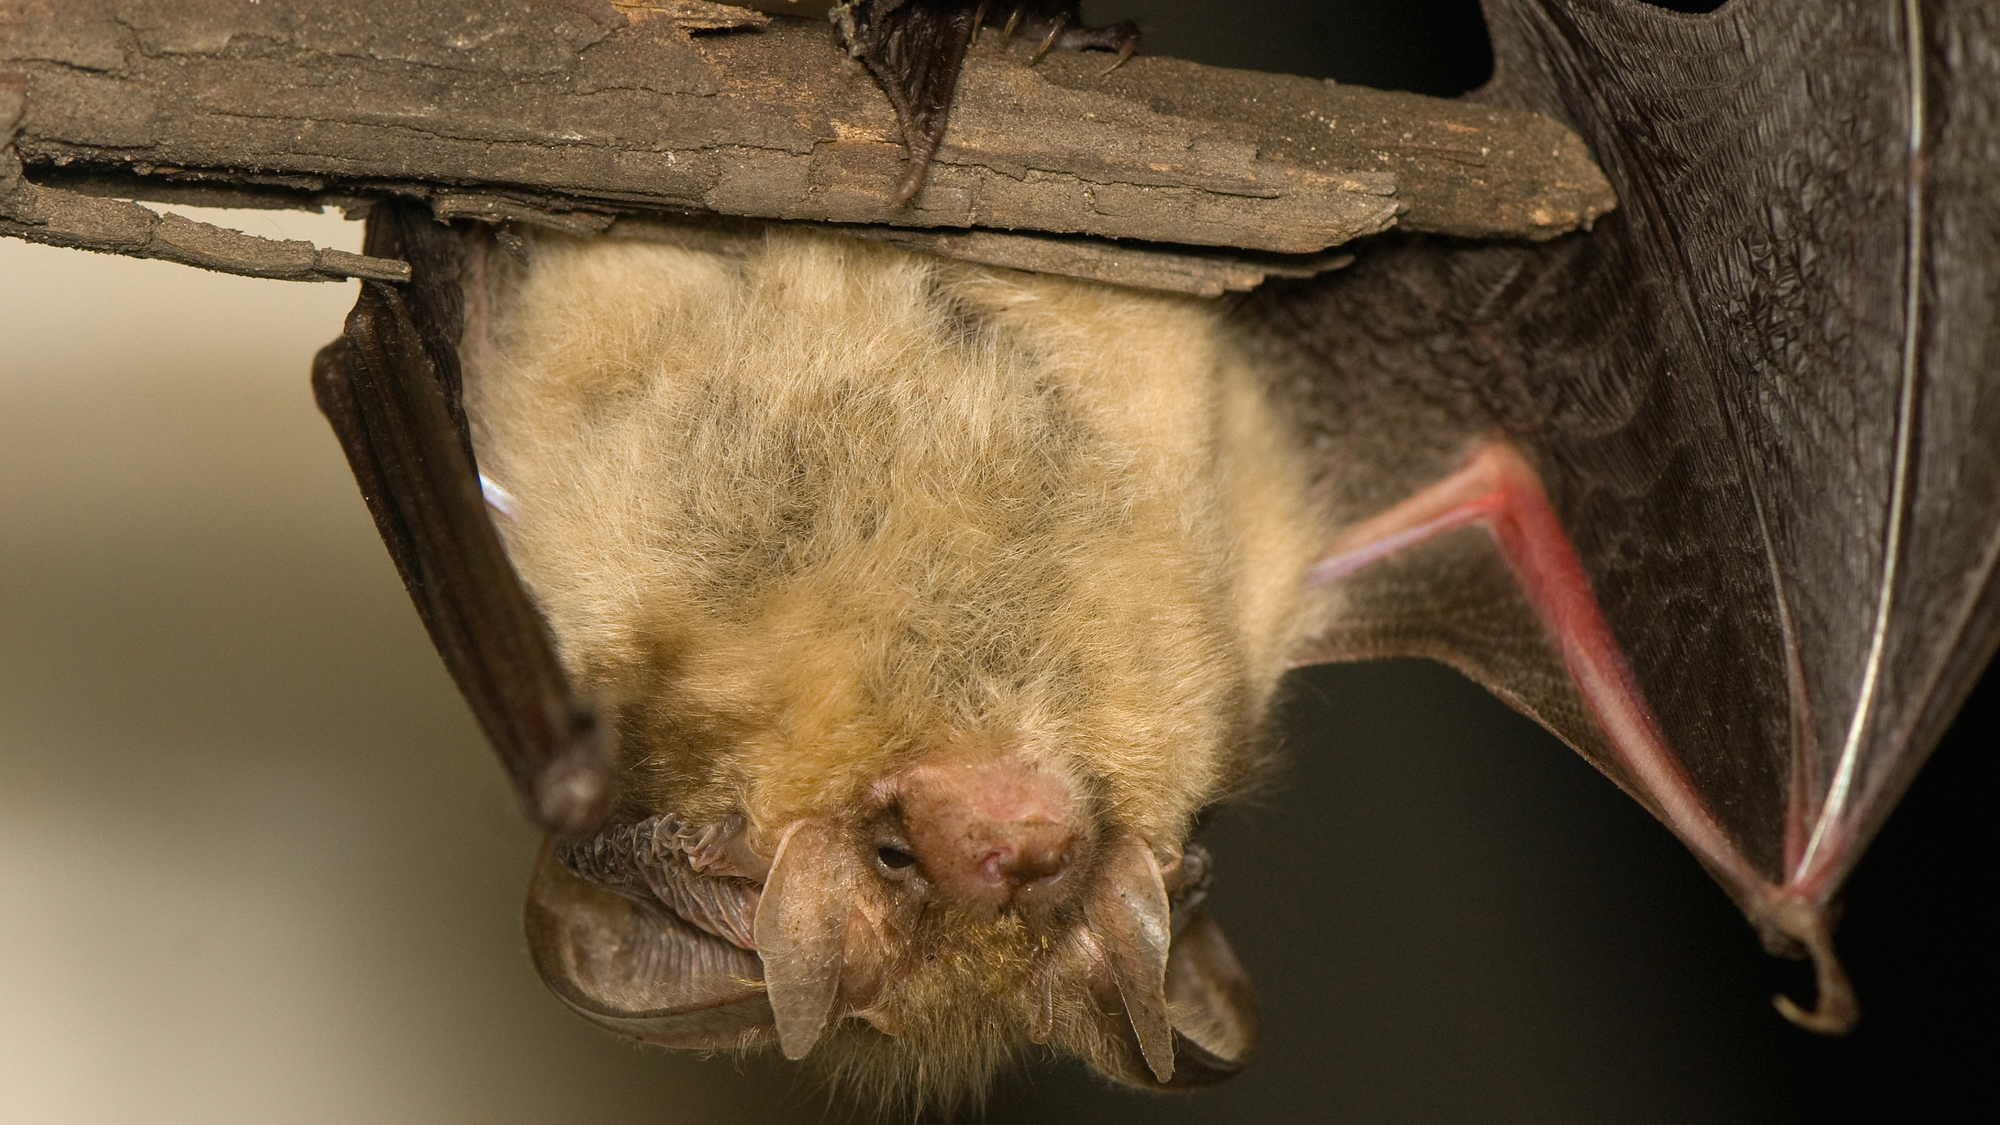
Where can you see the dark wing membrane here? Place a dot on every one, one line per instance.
(1401, 366)
(1946, 617)
(1809, 187)
(390, 387)
(1762, 396)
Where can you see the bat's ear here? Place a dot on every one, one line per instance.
(638, 969)
(801, 930)
(1214, 1008)
(1175, 1009)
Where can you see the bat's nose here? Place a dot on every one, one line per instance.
(1013, 861)
(990, 829)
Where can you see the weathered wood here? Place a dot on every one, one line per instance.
(580, 110)
(1200, 271)
(112, 226)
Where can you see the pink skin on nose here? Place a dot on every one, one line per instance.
(988, 828)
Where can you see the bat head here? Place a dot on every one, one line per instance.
(908, 920)
(911, 943)
(976, 909)
(931, 605)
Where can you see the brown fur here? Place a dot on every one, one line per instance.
(801, 509)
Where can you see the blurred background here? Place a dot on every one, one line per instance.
(257, 864)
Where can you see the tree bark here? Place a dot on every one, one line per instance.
(575, 113)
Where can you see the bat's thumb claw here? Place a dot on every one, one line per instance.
(1835, 1015)
(572, 797)
(1837, 1010)
(571, 794)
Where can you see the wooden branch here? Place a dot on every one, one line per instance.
(578, 111)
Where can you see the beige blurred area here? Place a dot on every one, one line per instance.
(256, 862)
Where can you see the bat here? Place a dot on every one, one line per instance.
(968, 834)
(1483, 921)
(1610, 477)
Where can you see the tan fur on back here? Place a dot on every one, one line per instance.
(802, 508)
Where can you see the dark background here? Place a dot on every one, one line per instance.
(256, 864)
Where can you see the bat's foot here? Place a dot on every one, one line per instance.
(1054, 26)
(916, 50)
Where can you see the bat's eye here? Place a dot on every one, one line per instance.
(894, 859)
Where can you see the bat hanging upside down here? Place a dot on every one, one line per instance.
(929, 604)
(871, 630)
